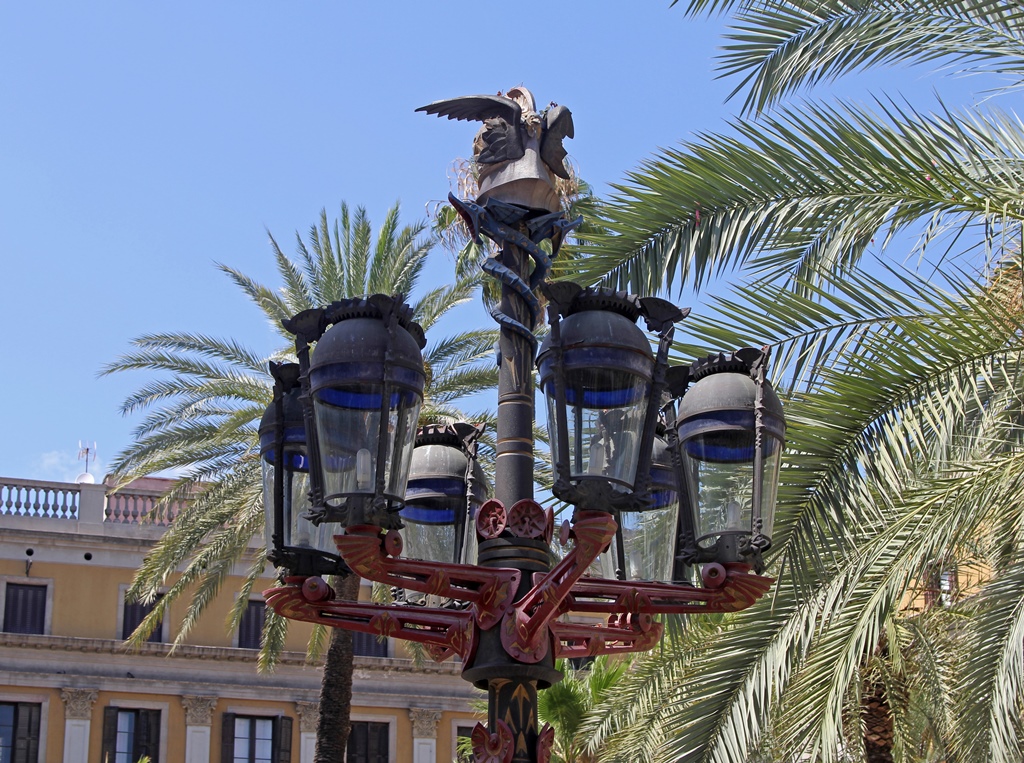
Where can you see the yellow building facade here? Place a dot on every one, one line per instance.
(71, 693)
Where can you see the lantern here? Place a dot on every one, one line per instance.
(730, 432)
(599, 373)
(446, 487)
(293, 541)
(366, 383)
(645, 542)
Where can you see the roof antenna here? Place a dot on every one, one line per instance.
(85, 453)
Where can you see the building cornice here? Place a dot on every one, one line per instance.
(217, 653)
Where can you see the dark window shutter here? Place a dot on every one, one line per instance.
(109, 733)
(25, 608)
(134, 613)
(283, 738)
(378, 743)
(355, 750)
(26, 733)
(147, 735)
(368, 743)
(227, 738)
(250, 627)
(369, 645)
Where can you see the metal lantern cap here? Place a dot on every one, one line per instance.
(598, 331)
(723, 383)
(294, 426)
(359, 334)
(439, 471)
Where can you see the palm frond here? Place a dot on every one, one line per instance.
(805, 191)
(781, 47)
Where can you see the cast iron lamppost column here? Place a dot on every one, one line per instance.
(675, 465)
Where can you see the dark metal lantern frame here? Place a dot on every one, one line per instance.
(294, 543)
(729, 424)
(366, 372)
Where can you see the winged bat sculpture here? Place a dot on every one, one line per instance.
(518, 151)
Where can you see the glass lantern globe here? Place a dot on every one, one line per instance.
(644, 547)
(731, 432)
(292, 540)
(446, 487)
(366, 381)
(596, 371)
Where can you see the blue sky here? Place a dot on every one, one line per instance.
(145, 141)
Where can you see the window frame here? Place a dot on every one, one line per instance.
(160, 635)
(392, 723)
(40, 740)
(374, 640)
(26, 580)
(237, 638)
(128, 705)
(456, 724)
(282, 739)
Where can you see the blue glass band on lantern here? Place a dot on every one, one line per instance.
(351, 377)
(291, 435)
(428, 516)
(295, 460)
(420, 488)
(662, 498)
(637, 390)
(712, 436)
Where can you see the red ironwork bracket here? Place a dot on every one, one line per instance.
(444, 632)
(727, 588)
(371, 555)
(524, 632)
(631, 607)
(590, 640)
(498, 747)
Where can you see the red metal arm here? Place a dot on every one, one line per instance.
(631, 607)
(524, 632)
(444, 632)
(734, 590)
(583, 640)
(490, 590)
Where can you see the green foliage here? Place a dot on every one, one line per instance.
(905, 450)
(566, 704)
(202, 415)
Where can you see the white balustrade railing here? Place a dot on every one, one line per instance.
(63, 500)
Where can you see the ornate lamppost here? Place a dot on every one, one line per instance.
(666, 468)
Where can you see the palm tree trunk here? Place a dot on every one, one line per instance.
(334, 723)
(878, 725)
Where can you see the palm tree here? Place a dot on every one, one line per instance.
(905, 439)
(565, 704)
(203, 416)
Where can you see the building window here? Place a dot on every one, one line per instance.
(25, 608)
(250, 627)
(129, 734)
(255, 739)
(369, 645)
(134, 613)
(463, 751)
(19, 732)
(368, 742)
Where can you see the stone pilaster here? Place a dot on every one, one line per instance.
(198, 719)
(309, 716)
(78, 704)
(198, 710)
(424, 734)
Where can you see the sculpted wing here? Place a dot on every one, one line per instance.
(557, 126)
(500, 140)
(476, 108)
